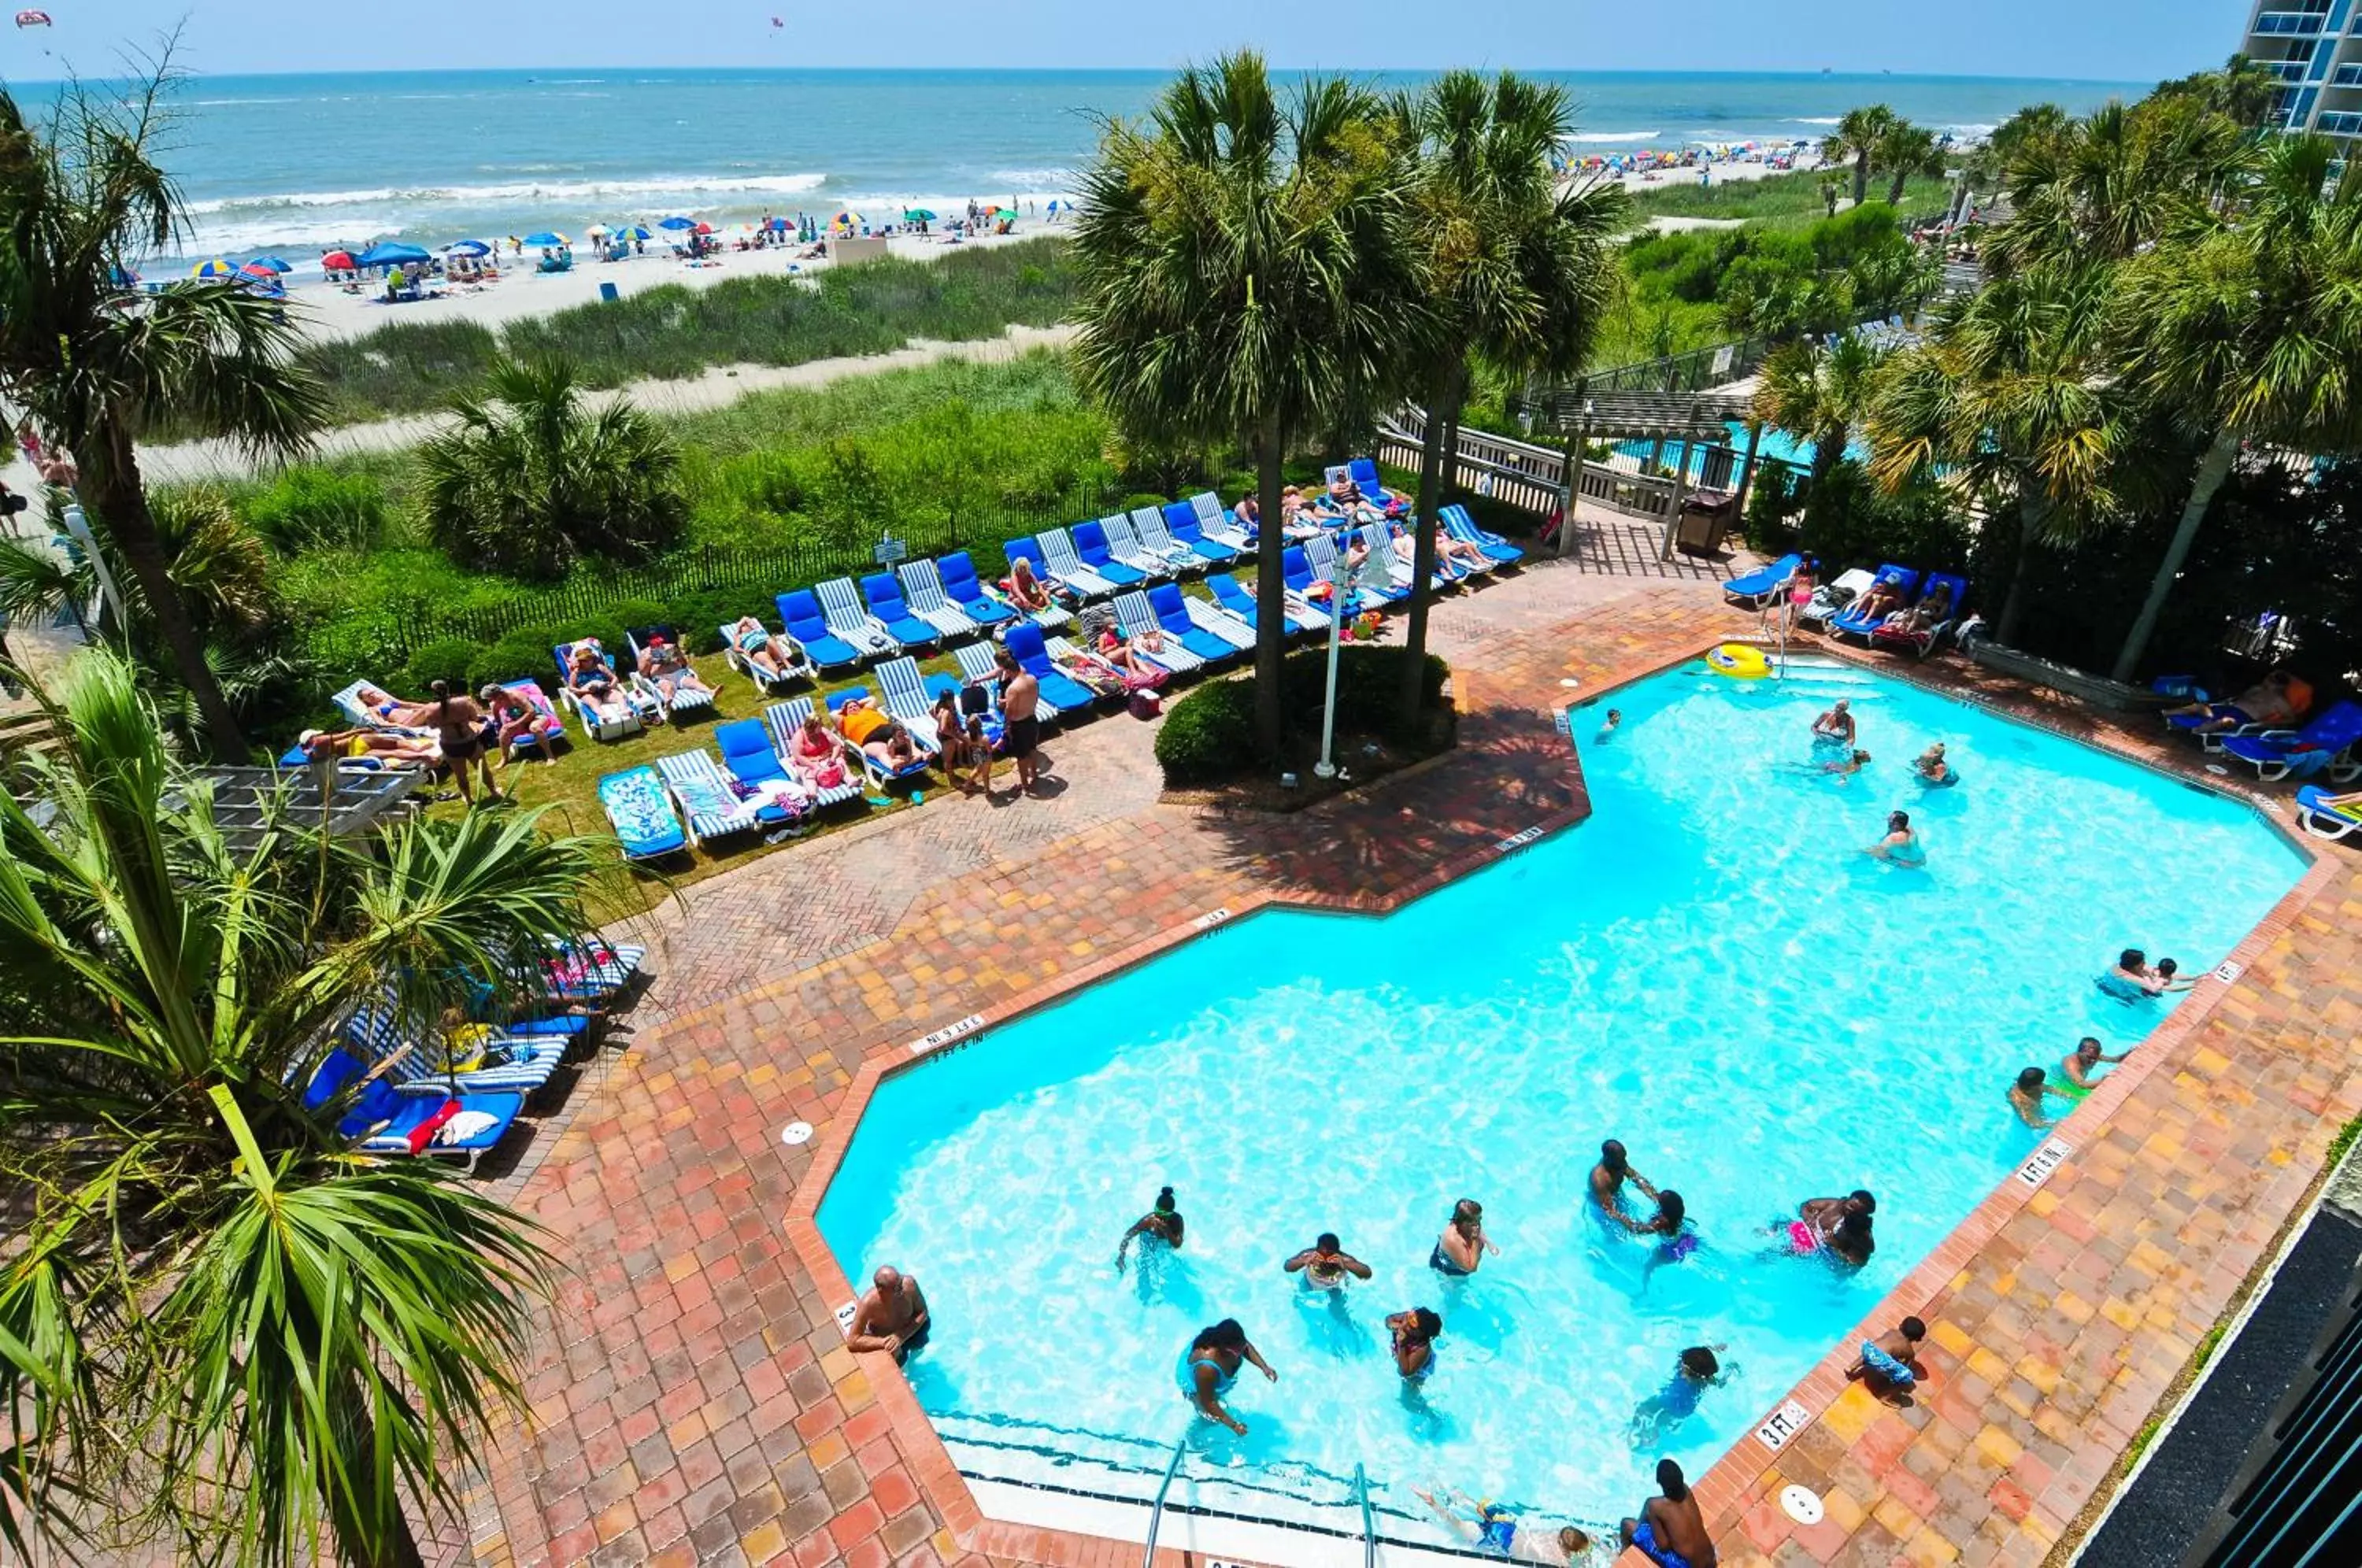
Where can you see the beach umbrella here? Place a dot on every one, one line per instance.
(918, 215)
(633, 231)
(337, 261)
(677, 221)
(595, 230)
(705, 229)
(469, 248)
(216, 268)
(392, 253)
(1005, 213)
(777, 226)
(546, 236)
(270, 264)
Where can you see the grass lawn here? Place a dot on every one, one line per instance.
(1782, 201)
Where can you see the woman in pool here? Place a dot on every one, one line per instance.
(1210, 1365)
(1463, 1244)
(1162, 1224)
(2077, 1065)
(1695, 1372)
(1844, 766)
(1835, 726)
(1930, 768)
(1900, 845)
(1411, 1335)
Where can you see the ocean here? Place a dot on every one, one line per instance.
(300, 163)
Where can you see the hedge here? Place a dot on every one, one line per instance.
(1210, 734)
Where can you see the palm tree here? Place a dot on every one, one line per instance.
(1517, 268)
(1242, 278)
(1856, 141)
(2110, 185)
(2008, 395)
(1817, 391)
(217, 1326)
(95, 362)
(530, 479)
(2251, 332)
(1905, 150)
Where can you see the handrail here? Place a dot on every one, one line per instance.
(1157, 1511)
(1369, 1526)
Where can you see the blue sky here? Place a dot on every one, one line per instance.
(2110, 40)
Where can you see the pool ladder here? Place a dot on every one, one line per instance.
(1173, 1469)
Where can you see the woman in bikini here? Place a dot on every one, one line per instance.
(760, 647)
(817, 755)
(588, 677)
(395, 711)
(459, 729)
(1025, 590)
(513, 720)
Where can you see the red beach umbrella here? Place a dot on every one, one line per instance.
(338, 261)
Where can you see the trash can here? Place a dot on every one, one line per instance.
(607, 292)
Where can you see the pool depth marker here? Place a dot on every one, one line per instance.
(1782, 1424)
(2043, 1161)
(946, 1034)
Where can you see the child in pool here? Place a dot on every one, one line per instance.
(1695, 1372)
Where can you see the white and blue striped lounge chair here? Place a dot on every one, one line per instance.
(800, 614)
(1156, 540)
(879, 772)
(1218, 525)
(883, 595)
(1181, 526)
(1210, 617)
(849, 619)
(903, 693)
(1377, 581)
(1067, 567)
(977, 666)
(590, 968)
(381, 1117)
(1124, 544)
(512, 1064)
(1171, 607)
(1301, 618)
(1134, 618)
(922, 589)
(1462, 526)
(784, 720)
(703, 791)
(694, 699)
(799, 663)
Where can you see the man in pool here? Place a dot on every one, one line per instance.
(1411, 1337)
(892, 1316)
(1671, 1530)
(1695, 1370)
(1901, 845)
(2132, 973)
(1463, 1244)
(1607, 1179)
(2076, 1068)
(2026, 1097)
(1495, 1532)
(1889, 1365)
(1607, 730)
(1835, 726)
(1326, 1264)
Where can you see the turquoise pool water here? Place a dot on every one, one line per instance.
(1707, 969)
(1776, 443)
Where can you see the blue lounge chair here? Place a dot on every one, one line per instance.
(1850, 622)
(1171, 608)
(1230, 596)
(748, 760)
(884, 597)
(642, 817)
(1761, 586)
(978, 699)
(1324, 562)
(1364, 472)
(2321, 819)
(707, 802)
(1216, 621)
(1124, 540)
(1462, 526)
(784, 720)
(879, 772)
(1138, 622)
(978, 667)
(547, 730)
(621, 715)
(922, 589)
(1031, 552)
(961, 587)
(1028, 647)
(1919, 641)
(2273, 753)
(800, 612)
(380, 1118)
(1181, 521)
(697, 698)
(1090, 542)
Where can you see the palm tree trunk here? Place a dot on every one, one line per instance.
(1443, 407)
(1271, 590)
(1895, 190)
(2030, 511)
(111, 477)
(2212, 469)
(1860, 176)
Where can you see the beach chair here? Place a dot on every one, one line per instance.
(800, 614)
(707, 802)
(842, 608)
(963, 588)
(508, 1062)
(1124, 544)
(696, 699)
(618, 718)
(1068, 566)
(2273, 753)
(1921, 641)
(1832, 597)
(976, 667)
(751, 764)
(783, 719)
(1761, 586)
(1031, 552)
(547, 730)
(1028, 647)
(1099, 674)
(1461, 525)
(1323, 563)
(1390, 562)
(976, 698)
(902, 692)
(884, 597)
(2324, 815)
(361, 715)
(922, 589)
(1850, 622)
(1171, 608)
(1364, 472)
(1216, 524)
(381, 1119)
(1135, 619)
(1096, 551)
(1147, 523)
(799, 666)
(879, 772)
(1179, 522)
(1301, 618)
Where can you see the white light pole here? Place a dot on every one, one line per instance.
(1341, 579)
(78, 529)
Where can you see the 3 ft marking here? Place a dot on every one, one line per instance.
(2228, 972)
(1211, 919)
(1782, 1424)
(1519, 840)
(947, 1034)
(845, 1317)
(2043, 1161)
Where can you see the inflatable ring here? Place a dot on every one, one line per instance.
(1738, 661)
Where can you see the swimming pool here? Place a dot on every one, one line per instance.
(1707, 968)
(1774, 443)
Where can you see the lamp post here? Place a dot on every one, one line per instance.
(1342, 581)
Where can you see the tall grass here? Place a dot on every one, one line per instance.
(673, 331)
(1787, 201)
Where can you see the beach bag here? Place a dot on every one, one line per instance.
(1146, 703)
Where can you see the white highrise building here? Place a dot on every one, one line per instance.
(2315, 47)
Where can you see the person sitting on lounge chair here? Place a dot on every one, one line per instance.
(877, 733)
(895, 748)
(1881, 600)
(1343, 493)
(2278, 699)
(1025, 591)
(1455, 555)
(400, 751)
(777, 653)
(1248, 514)
(395, 711)
(661, 662)
(1123, 657)
(1932, 610)
(588, 677)
(816, 755)
(513, 719)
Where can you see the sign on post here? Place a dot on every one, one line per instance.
(889, 550)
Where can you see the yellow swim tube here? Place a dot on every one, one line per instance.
(1738, 661)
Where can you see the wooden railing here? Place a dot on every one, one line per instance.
(1532, 478)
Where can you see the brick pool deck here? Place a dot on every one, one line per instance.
(693, 1402)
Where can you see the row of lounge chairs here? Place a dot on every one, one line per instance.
(1911, 614)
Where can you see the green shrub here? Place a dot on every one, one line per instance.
(520, 652)
(445, 659)
(1368, 687)
(313, 508)
(1209, 735)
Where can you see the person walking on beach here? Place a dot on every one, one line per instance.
(1020, 703)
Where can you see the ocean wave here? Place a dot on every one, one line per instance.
(1585, 138)
(1815, 120)
(588, 191)
(1032, 179)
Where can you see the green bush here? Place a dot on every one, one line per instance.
(313, 508)
(1209, 735)
(445, 659)
(1368, 687)
(520, 652)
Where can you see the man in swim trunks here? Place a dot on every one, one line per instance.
(1607, 1179)
(2132, 970)
(1463, 1242)
(2026, 1097)
(892, 1316)
(1326, 1264)
(1695, 1372)
(1889, 1365)
(1412, 1342)
(1496, 1532)
(1671, 1530)
(2077, 1066)
(1835, 726)
(1021, 702)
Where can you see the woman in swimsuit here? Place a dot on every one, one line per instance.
(408, 751)
(1463, 1244)
(1210, 1365)
(896, 749)
(1123, 657)
(395, 711)
(759, 645)
(459, 730)
(1932, 769)
(1326, 1264)
(1025, 590)
(1161, 1223)
(1844, 767)
(1412, 1334)
(588, 677)
(1900, 845)
(513, 720)
(661, 661)
(1834, 727)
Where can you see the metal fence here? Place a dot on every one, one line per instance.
(1532, 478)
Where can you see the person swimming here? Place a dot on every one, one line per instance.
(2026, 1098)
(1608, 729)
(1412, 1336)
(1838, 1226)
(1326, 1264)
(1846, 766)
(1669, 1224)
(1161, 1223)
(1901, 847)
(1463, 1244)
(1695, 1370)
(1495, 1532)
(1932, 768)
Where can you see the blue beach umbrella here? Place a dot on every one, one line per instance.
(216, 268)
(265, 283)
(270, 264)
(678, 223)
(391, 254)
(633, 231)
(469, 248)
(548, 236)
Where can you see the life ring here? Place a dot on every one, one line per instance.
(1738, 661)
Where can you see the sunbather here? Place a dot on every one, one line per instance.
(1124, 656)
(1934, 608)
(588, 677)
(662, 662)
(405, 751)
(1455, 555)
(1881, 600)
(1025, 591)
(777, 653)
(514, 719)
(394, 709)
(2278, 699)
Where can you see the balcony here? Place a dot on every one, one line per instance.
(2339, 125)
(2292, 24)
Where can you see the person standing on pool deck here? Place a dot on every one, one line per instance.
(1413, 1334)
(1607, 1179)
(1671, 1530)
(1463, 1242)
(892, 1316)
(1020, 719)
(1161, 1223)
(1211, 1365)
(1326, 1264)
(1834, 727)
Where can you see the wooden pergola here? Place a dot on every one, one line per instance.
(1581, 414)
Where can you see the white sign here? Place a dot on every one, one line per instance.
(845, 1317)
(1519, 840)
(1722, 360)
(2227, 971)
(2043, 1161)
(947, 1034)
(1782, 1424)
(1211, 918)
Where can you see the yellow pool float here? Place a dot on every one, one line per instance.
(1738, 661)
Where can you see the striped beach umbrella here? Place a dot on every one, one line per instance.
(633, 231)
(216, 268)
